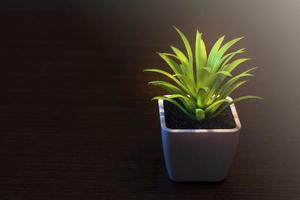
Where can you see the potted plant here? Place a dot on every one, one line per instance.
(200, 127)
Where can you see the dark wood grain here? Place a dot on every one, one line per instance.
(76, 120)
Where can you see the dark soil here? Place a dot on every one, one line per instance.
(176, 119)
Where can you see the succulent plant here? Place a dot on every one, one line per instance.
(201, 82)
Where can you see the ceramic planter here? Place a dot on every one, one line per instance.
(198, 154)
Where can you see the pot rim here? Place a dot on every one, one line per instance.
(166, 129)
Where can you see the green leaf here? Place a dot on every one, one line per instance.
(234, 101)
(190, 67)
(203, 77)
(214, 50)
(229, 56)
(189, 83)
(220, 53)
(171, 63)
(201, 94)
(224, 73)
(188, 71)
(188, 102)
(214, 78)
(206, 89)
(169, 76)
(175, 103)
(232, 88)
(180, 55)
(186, 44)
(200, 54)
(214, 106)
(172, 89)
(230, 67)
(214, 83)
(200, 114)
(183, 68)
(236, 78)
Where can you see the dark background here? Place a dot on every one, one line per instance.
(76, 120)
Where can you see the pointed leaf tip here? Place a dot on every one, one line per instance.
(199, 33)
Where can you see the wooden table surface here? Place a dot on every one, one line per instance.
(76, 120)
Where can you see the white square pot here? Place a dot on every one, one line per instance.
(199, 154)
